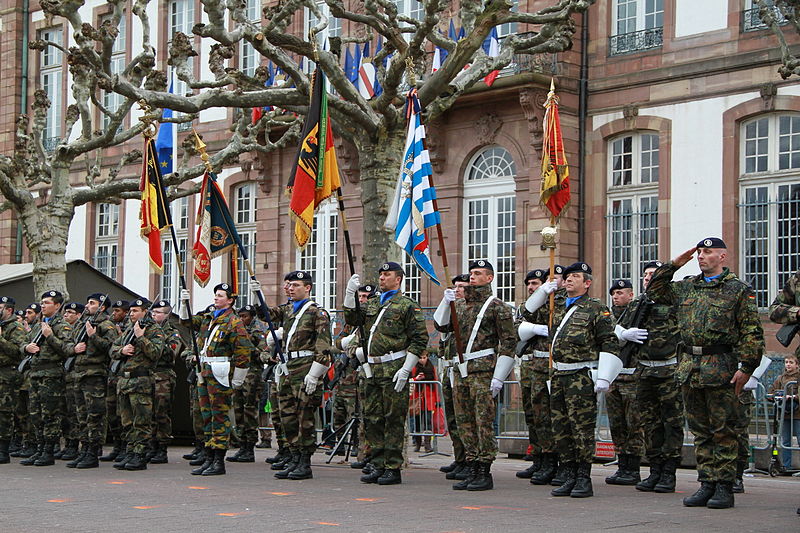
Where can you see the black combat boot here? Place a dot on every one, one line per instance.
(217, 467)
(15, 446)
(649, 483)
(360, 464)
(471, 471)
(483, 480)
(113, 454)
(622, 467)
(90, 457)
(46, 458)
(666, 484)
(373, 476)
(390, 476)
(26, 451)
(281, 464)
(278, 457)
(201, 458)
(192, 455)
(701, 497)
(545, 474)
(246, 454)
(5, 458)
(303, 468)
(70, 452)
(583, 482)
(79, 458)
(58, 451)
(461, 466)
(160, 456)
(152, 448)
(570, 471)
(630, 475)
(368, 468)
(535, 466)
(208, 458)
(560, 476)
(289, 466)
(448, 468)
(136, 462)
(32, 458)
(738, 485)
(723, 496)
(125, 455)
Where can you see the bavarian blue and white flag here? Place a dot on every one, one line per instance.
(412, 210)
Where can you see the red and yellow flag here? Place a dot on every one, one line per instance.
(316, 172)
(153, 214)
(555, 171)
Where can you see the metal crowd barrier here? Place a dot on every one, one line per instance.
(510, 416)
(426, 416)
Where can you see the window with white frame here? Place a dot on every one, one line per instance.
(244, 215)
(106, 239)
(633, 174)
(413, 9)
(334, 28)
(111, 100)
(170, 277)
(248, 57)
(319, 256)
(509, 28)
(769, 195)
(51, 78)
(412, 281)
(490, 208)
(182, 19)
(636, 25)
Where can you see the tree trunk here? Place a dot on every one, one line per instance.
(46, 229)
(380, 166)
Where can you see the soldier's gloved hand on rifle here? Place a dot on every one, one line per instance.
(350, 292)
(401, 376)
(238, 377)
(312, 379)
(184, 299)
(636, 335)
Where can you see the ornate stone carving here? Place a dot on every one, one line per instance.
(435, 141)
(629, 113)
(532, 103)
(263, 178)
(768, 93)
(487, 127)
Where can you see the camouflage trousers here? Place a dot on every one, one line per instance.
(573, 408)
(712, 417)
(450, 416)
(215, 405)
(22, 418)
(344, 406)
(385, 414)
(661, 408)
(539, 398)
(475, 413)
(113, 420)
(163, 394)
(72, 397)
(275, 415)
(135, 403)
(744, 406)
(297, 411)
(364, 450)
(245, 407)
(9, 384)
(197, 418)
(47, 406)
(92, 408)
(624, 418)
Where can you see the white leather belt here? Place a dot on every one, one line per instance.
(299, 353)
(627, 371)
(447, 363)
(206, 359)
(538, 354)
(526, 357)
(574, 366)
(652, 364)
(386, 358)
(477, 355)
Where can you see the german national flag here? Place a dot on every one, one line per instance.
(153, 215)
(316, 172)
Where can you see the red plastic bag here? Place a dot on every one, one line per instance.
(439, 422)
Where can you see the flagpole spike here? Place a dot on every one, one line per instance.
(200, 146)
(552, 84)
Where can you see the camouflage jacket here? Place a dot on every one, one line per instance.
(94, 361)
(496, 330)
(13, 337)
(662, 336)
(258, 338)
(230, 338)
(173, 347)
(541, 316)
(147, 348)
(54, 349)
(588, 331)
(721, 312)
(617, 310)
(313, 332)
(402, 326)
(786, 306)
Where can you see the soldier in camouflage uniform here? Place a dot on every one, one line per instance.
(487, 326)
(245, 400)
(785, 309)
(74, 316)
(164, 379)
(225, 350)
(22, 419)
(48, 345)
(138, 348)
(120, 319)
(12, 336)
(718, 321)
(582, 338)
(622, 405)
(396, 336)
(197, 456)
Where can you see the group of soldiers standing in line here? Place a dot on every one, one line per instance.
(692, 347)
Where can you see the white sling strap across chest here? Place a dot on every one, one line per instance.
(374, 327)
(562, 324)
(477, 325)
(296, 322)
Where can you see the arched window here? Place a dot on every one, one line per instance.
(490, 216)
(244, 213)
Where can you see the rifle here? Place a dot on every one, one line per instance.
(38, 340)
(627, 352)
(786, 334)
(69, 364)
(129, 333)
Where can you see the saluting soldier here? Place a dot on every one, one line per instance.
(225, 357)
(396, 337)
(164, 380)
(73, 315)
(487, 325)
(12, 336)
(49, 345)
(718, 321)
(583, 339)
(120, 319)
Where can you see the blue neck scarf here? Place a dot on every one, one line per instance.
(712, 278)
(386, 296)
(218, 312)
(572, 299)
(298, 305)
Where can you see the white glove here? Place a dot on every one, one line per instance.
(541, 330)
(238, 377)
(539, 296)
(265, 357)
(449, 295)
(442, 314)
(762, 367)
(255, 286)
(347, 340)
(271, 339)
(401, 376)
(633, 335)
(601, 385)
(496, 386)
(502, 369)
(360, 355)
(350, 292)
(311, 380)
(184, 297)
(751, 384)
(184, 300)
(549, 287)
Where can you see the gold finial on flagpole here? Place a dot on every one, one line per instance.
(200, 146)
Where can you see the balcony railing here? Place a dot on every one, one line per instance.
(636, 41)
(751, 20)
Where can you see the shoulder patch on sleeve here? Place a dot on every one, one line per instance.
(606, 313)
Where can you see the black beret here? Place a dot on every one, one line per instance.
(711, 242)
(577, 267)
(144, 303)
(20, 312)
(121, 304)
(225, 287)
(211, 308)
(51, 294)
(463, 278)
(248, 309)
(289, 275)
(367, 288)
(480, 263)
(162, 303)
(36, 308)
(100, 297)
(620, 284)
(652, 264)
(536, 274)
(299, 275)
(75, 306)
(558, 269)
(7, 300)
(391, 266)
